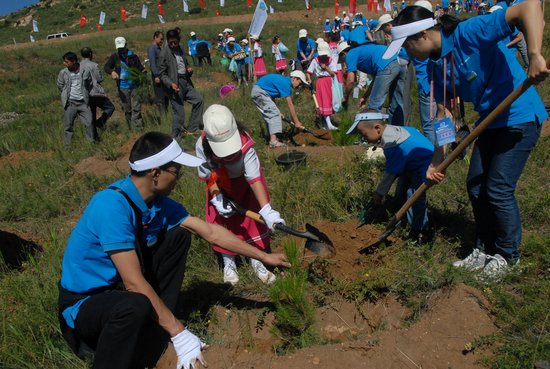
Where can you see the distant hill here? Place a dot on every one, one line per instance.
(55, 16)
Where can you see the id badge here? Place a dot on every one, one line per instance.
(444, 132)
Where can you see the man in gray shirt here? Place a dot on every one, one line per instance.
(153, 52)
(75, 84)
(175, 75)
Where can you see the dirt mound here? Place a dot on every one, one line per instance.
(100, 167)
(15, 250)
(19, 157)
(318, 137)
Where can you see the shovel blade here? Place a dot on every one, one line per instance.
(322, 246)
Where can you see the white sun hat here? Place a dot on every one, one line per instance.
(299, 74)
(231, 39)
(400, 33)
(342, 46)
(120, 42)
(494, 8)
(228, 30)
(384, 19)
(220, 129)
(323, 48)
(425, 4)
(171, 153)
(192, 34)
(302, 33)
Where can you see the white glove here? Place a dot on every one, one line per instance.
(189, 349)
(271, 217)
(223, 208)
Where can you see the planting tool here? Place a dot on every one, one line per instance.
(396, 220)
(317, 242)
(370, 213)
(306, 130)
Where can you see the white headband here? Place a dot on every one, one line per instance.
(366, 116)
(172, 152)
(400, 33)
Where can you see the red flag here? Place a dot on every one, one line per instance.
(202, 4)
(82, 20)
(376, 6)
(249, 3)
(122, 14)
(352, 6)
(98, 27)
(370, 5)
(336, 7)
(161, 8)
(218, 13)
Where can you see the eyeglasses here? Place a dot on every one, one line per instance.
(177, 173)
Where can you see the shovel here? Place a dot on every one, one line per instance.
(306, 130)
(396, 220)
(317, 242)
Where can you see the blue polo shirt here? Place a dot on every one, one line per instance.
(422, 80)
(305, 47)
(412, 155)
(192, 45)
(367, 59)
(344, 35)
(108, 225)
(358, 34)
(485, 72)
(275, 85)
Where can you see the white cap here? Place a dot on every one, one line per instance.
(231, 39)
(327, 20)
(482, 5)
(384, 19)
(494, 8)
(358, 23)
(342, 46)
(228, 30)
(299, 74)
(425, 4)
(171, 153)
(337, 18)
(319, 40)
(120, 42)
(220, 34)
(400, 33)
(302, 33)
(244, 41)
(344, 12)
(220, 128)
(192, 34)
(253, 37)
(323, 48)
(359, 117)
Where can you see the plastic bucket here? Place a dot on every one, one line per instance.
(225, 89)
(291, 159)
(224, 62)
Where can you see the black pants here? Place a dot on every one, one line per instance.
(105, 105)
(204, 59)
(161, 97)
(120, 325)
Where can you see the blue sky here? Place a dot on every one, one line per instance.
(8, 6)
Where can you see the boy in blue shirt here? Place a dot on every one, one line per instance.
(273, 86)
(125, 260)
(408, 154)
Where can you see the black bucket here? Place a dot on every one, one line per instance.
(291, 159)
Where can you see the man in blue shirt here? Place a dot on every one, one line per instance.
(305, 49)
(153, 52)
(359, 34)
(273, 86)
(125, 261)
(192, 46)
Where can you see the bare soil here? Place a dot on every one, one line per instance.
(372, 335)
(19, 157)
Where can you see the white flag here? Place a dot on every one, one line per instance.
(222, 3)
(32, 38)
(307, 4)
(281, 1)
(271, 10)
(161, 19)
(185, 6)
(387, 5)
(144, 10)
(102, 18)
(34, 26)
(259, 19)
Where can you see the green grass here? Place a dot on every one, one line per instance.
(44, 196)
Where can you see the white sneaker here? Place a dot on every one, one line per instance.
(475, 261)
(230, 270)
(496, 267)
(261, 272)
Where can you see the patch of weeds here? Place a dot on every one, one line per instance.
(295, 314)
(479, 343)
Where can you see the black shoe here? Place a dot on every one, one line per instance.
(421, 237)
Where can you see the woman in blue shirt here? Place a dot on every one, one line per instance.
(485, 74)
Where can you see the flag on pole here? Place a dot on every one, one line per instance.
(249, 3)
(222, 3)
(352, 6)
(336, 7)
(387, 5)
(185, 6)
(101, 18)
(307, 4)
(122, 14)
(259, 19)
(202, 4)
(34, 26)
(98, 27)
(161, 8)
(144, 10)
(280, 1)
(31, 38)
(161, 19)
(271, 10)
(83, 20)
(370, 3)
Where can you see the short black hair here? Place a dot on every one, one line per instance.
(172, 33)
(86, 52)
(70, 56)
(147, 145)
(157, 34)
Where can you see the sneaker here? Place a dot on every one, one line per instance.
(496, 267)
(230, 276)
(475, 261)
(261, 272)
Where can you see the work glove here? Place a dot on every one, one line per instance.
(222, 206)
(271, 217)
(189, 349)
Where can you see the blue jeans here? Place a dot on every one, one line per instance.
(427, 123)
(497, 161)
(390, 80)
(417, 215)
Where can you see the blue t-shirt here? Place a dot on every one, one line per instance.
(445, 4)
(275, 85)
(486, 73)
(367, 59)
(422, 80)
(304, 47)
(107, 225)
(412, 155)
(125, 74)
(327, 27)
(344, 35)
(358, 35)
(192, 45)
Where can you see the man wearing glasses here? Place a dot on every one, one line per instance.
(175, 75)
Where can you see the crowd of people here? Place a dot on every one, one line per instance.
(120, 279)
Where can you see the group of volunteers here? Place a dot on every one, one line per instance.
(125, 260)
